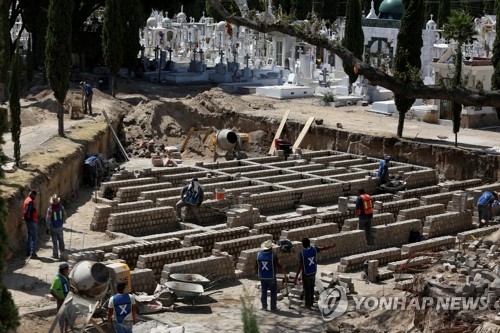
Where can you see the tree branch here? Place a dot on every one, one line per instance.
(466, 97)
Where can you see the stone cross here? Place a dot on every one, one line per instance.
(247, 58)
(221, 53)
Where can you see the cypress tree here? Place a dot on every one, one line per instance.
(9, 317)
(29, 62)
(15, 106)
(443, 12)
(132, 24)
(495, 59)
(407, 62)
(112, 39)
(489, 7)
(353, 37)
(4, 48)
(58, 52)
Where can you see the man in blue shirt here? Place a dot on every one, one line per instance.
(122, 310)
(484, 206)
(87, 93)
(308, 265)
(383, 170)
(267, 262)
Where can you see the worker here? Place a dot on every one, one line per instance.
(308, 265)
(87, 94)
(192, 197)
(30, 216)
(485, 206)
(59, 289)
(364, 210)
(267, 263)
(56, 215)
(122, 310)
(383, 170)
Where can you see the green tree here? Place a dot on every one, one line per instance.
(353, 38)
(58, 53)
(4, 48)
(112, 39)
(443, 12)
(495, 59)
(407, 62)
(9, 317)
(15, 106)
(228, 4)
(29, 62)
(132, 24)
(431, 8)
(489, 6)
(460, 28)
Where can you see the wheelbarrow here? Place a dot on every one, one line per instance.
(190, 278)
(189, 291)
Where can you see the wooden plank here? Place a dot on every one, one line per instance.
(303, 133)
(278, 132)
(116, 136)
(191, 131)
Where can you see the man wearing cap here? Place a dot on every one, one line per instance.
(308, 265)
(383, 170)
(30, 216)
(60, 289)
(56, 215)
(192, 197)
(267, 262)
(122, 310)
(87, 93)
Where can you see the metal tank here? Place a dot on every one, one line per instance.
(90, 279)
(226, 139)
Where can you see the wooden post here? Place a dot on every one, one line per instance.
(116, 136)
(278, 132)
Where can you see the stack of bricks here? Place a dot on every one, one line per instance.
(141, 222)
(344, 205)
(248, 259)
(117, 184)
(321, 194)
(476, 233)
(351, 176)
(460, 201)
(280, 178)
(209, 238)
(329, 172)
(131, 193)
(156, 261)
(394, 206)
(96, 255)
(346, 243)
(325, 160)
(448, 223)
(312, 231)
(275, 227)
(235, 246)
(174, 234)
(420, 178)
(155, 194)
(244, 215)
(355, 262)
(384, 197)
(275, 201)
(306, 210)
(218, 267)
(460, 185)
(417, 192)
(378, 219)
(442, 198)
(434, 244)
(395, 234)
(337, 217)
(130, 253)
(143, 280)
(401, 265)
(122, 175)
(302, 183)
(421, 212)
(103, 212)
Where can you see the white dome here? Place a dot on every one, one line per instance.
(152, 22)
(166, 22)
(221, 26)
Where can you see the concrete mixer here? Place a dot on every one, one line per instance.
(90, 283)
(231, 142)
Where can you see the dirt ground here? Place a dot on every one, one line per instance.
(29, 280)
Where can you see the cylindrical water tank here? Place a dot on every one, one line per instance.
(226, 139)
(90, 279)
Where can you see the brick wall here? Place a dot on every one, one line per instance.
(131, 252)
(208, 239)
(234, 246)
(417, 192)
(141, 222)
(312, 231)
(420, 212)
(448, 223)
(433, 244)
(395, 206)
(275, 227)
(156, 261)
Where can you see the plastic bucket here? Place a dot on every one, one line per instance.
(220, 194)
